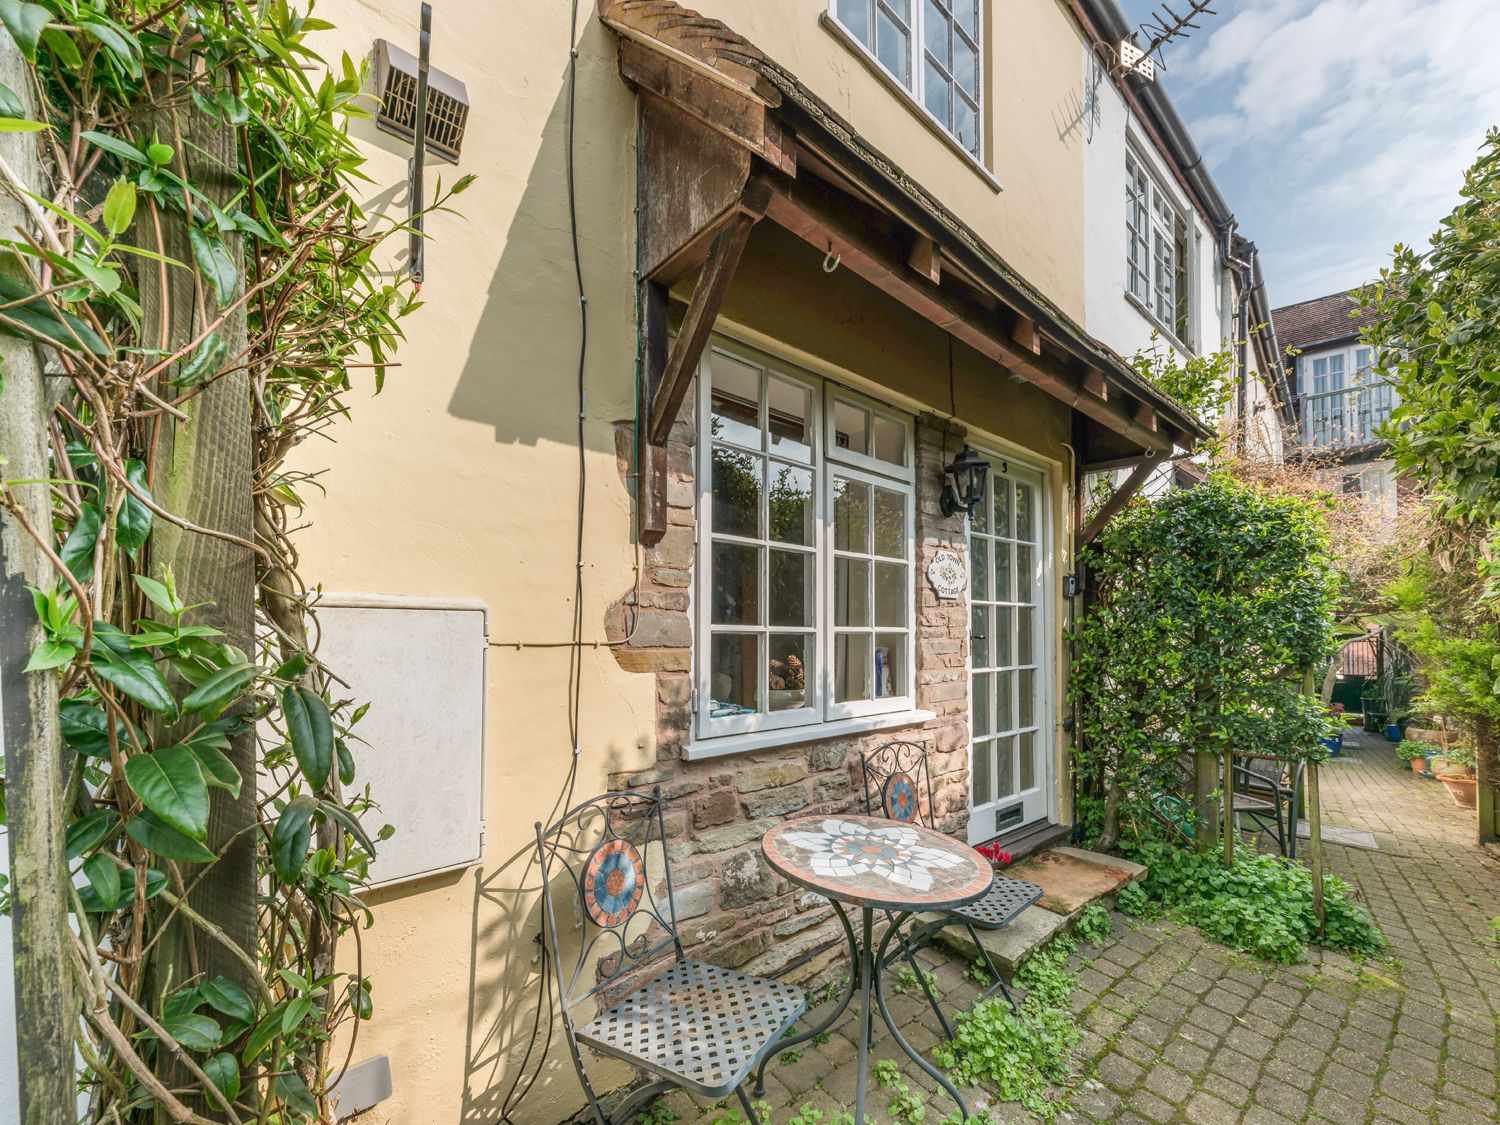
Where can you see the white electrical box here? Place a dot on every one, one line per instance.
(421, 665)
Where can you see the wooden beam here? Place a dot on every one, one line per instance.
(739, 115)
(1096, 384)
(1113, 506)
(925, 257)
(1024, 333)
(867, 242)
(1145, 414)
(651, 458)
(708, 295)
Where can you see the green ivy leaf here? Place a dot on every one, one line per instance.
(215, 263)
(50, 654)
(228, 998)
(291, 838)
(25, 23)
(119, 206)
(10, 105)
(311, 730)
(204, 362)
(224, 1072)
(136, 675)
(88, 832)
(195, 1032)
(115, 146)
(133, 526)
(218, 770)
(219, 690)
(103, 875)
(171, 785)
(78, 549)
(161, 838)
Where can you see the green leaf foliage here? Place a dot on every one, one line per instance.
(24, 22)
(223, 1071)
(220, 689)
(137, 676)
(171, 785)
(311, 730)
(78, 547)
(291, 837)
(1262, 904)
(1208, 605)
(134, 523)
(155, 835)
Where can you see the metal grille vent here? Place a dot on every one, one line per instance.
(447, 101)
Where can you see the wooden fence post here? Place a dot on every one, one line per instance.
(28, 701)
(204, 473)
(1314, 820)
(1230, 835)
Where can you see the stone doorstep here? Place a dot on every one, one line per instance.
(1072, 878)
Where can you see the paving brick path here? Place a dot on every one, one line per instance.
(1178, 1029)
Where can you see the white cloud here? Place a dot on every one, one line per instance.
(1338, 127)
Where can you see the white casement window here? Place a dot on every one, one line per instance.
(1345, 402)
(1156, 256)
(945, 79)
(805, 551)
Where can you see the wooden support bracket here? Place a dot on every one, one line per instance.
(1117, 502)
(1024, 333)
(925, 257)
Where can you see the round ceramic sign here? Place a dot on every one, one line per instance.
(947, 574)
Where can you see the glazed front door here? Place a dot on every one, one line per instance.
(1010, 772)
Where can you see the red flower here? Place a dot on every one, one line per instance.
(1005, 858)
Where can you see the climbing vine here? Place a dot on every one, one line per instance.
(194, 237)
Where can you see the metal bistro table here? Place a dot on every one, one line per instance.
(874, 864)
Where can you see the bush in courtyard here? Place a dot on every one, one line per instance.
(1207, 605)
(1262, 904)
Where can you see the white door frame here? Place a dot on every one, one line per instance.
(1040, 803)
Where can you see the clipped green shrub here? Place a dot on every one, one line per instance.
(1262, 904)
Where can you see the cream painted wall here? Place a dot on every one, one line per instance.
(460, 480)
(1032, 93)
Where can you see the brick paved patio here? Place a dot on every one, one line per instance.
(1179, 1029)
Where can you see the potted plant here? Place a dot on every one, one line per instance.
(1418, 755)
(1459, 777)
(1335, 741)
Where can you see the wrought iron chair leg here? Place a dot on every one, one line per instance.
(749, 1109)
(638, 1099)
(907, 952)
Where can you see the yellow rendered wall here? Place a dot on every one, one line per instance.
(1031, 82)
(460, 480)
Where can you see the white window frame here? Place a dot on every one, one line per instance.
(915, 80)
(823, 711)
(1342, 408)
(1143, 189)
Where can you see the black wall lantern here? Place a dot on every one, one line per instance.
(963, 490)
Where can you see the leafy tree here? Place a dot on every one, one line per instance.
(1207, 606)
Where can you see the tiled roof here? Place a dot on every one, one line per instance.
(1322, 318)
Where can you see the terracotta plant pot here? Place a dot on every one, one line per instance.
(1463, 790)
(1418, 765)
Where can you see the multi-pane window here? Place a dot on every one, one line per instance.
(1156, 255)
(805, 582)
(945, 78)
(1345, 402)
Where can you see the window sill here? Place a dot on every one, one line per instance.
(704, 748)
(1167, 334)
(872, 64)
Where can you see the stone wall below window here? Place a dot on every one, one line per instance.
(732, 909)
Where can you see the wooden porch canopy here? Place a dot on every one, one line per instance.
(728, 138)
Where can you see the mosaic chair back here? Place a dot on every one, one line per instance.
(608, 921)
(897, 783)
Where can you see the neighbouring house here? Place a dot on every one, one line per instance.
(671, 512)
(1165, 268)
(1339, 402)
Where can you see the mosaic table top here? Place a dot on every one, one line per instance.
(871, 861)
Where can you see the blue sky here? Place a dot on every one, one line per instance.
(1336, 128)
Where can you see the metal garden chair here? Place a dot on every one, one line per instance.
(1267, 791)
(898, 785)
(692, 1025)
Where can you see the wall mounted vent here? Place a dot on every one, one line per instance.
(396, 85)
